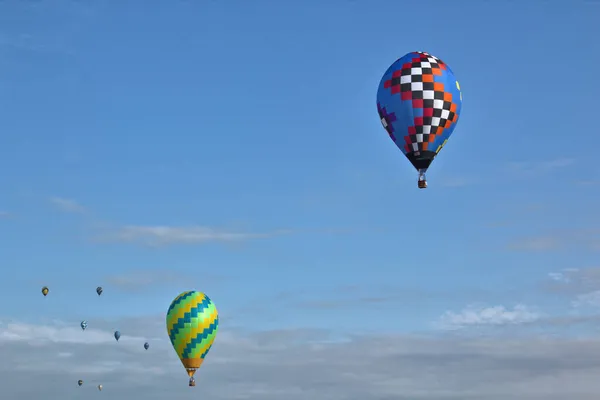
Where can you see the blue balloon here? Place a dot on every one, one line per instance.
(419, 101)
(117, 335)
(83, 325)
(146, 345)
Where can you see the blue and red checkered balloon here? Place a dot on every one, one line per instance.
(419, 102)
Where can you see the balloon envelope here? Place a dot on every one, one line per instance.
(419, 102)
(83, 325)
(192, 324)
(45, 290)
(146, 345)
(117, 335)
(99, 290)
(80, 382)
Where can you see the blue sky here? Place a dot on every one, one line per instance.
(235, 148)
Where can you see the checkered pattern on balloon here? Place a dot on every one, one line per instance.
(419, 102)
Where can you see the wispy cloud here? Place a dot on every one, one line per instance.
(21, 332)
(452, 182)
(562, 277)
(588, 239)
(473, 316)
(575, 280)
(354, 303)
(24, 41)
(52, 38)
(588, 182)
(138, 279)
(581, 284)
(361, 299)
(352, 297)
(540, 243)
(530, 169)
(67, 205)
(141, 279)
(590, 299)
(165, 235)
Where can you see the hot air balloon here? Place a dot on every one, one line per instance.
(117, 335)
(419, 102)
(45, 291)
(192, 324)
(100, 387)
(83, 325)
(80, 382)
(146, 345)
(99, 290)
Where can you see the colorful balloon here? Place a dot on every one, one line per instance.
(192, 324)
(146, 345)
(117, 335)
(419, 101)
(83, 325)
(45, 291)
(99, 290)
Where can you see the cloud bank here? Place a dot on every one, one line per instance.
(294, 364)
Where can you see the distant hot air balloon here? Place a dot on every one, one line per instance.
(192, 324)
(45, 291)
(99, 290)
(117, 335)
(100, 387)
(83, 325)
(146, 345)
(80, 382)
(419, 102)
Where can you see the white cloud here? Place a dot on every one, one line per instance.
(591, 299)
(581, 284)
(495, 315)
(564, 276)
(294, 365)
(40, 334)
(162, 235)
(557, 276)
(67, 205)
(575, 281)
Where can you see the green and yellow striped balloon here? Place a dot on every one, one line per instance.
(192, 324)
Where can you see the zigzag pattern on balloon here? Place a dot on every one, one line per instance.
(206, 352)
(196, 332)
(193, 317)
(185, 313)
(190, 328)
(181, 305)
(193, 305)
(200, 345)
(179, 299)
